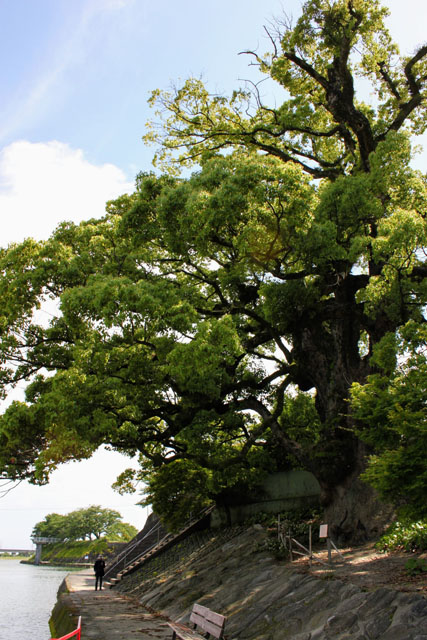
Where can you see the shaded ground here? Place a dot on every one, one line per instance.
(368, 569)
(109, 615)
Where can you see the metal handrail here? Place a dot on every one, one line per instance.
(76, 633)
(169, 537)
(147, 552)
(123, 555)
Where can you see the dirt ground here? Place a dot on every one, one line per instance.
(367, 568)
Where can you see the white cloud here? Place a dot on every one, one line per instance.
(42, 184)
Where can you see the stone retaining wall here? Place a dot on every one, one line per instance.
(267, 599)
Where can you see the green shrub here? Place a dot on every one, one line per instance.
(295, 521)
(275, 548)
(404, 535)
(415, 566)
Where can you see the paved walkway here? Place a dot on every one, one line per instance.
(107, 615)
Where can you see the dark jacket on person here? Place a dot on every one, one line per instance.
(99, 567)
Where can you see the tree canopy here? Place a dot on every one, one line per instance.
(215, 323)
(82, 524)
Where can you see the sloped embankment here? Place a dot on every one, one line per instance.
(78, 552)
(265, 599)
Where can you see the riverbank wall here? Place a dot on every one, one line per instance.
(264, 598)
(65, 613)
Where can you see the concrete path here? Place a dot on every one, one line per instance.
(107, 615)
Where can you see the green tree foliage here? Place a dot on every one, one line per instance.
(121, 532)
(391, 407)
(53, 526)
(81, 524)
(216, 323)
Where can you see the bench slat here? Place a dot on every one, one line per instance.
(206, 620)
(184, 632)
(212, 616)
(204, 624)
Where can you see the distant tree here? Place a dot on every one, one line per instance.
(93, 521)
(81, 524)
(53, 526)
(121, 532)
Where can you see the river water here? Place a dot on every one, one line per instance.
(27, 597)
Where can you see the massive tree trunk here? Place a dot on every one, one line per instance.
(352, 508)
(328, 359)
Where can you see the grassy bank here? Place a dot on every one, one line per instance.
(77, 552)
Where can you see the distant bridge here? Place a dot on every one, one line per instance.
(39, 541)
(44, 540)
(22, 551)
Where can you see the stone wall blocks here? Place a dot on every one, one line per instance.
(338, 624)
(414, 611)
(347, 591)
(354, 601)
(376, 601)
(419, 609)
(376, 627)
(399, 632)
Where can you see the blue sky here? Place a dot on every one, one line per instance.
(74, 83)
(82, 71)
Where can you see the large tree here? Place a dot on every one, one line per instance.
(216, 323)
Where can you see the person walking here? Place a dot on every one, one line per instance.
(99, 568)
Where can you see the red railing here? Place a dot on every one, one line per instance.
(74, 634)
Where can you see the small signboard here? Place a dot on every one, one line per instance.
(323, 533)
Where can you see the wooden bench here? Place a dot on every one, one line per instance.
(203, 619)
